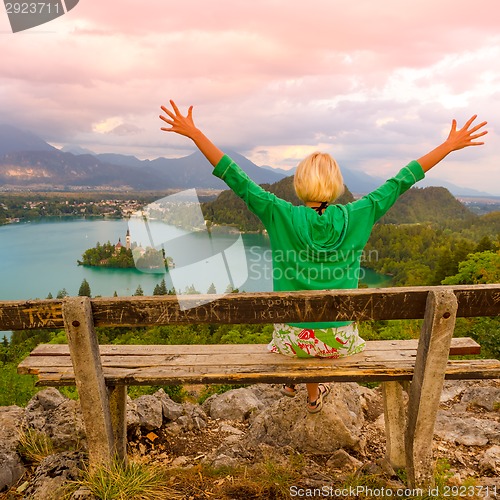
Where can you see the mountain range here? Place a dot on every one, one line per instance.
(29, 162)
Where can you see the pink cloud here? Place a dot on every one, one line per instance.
(262, 74)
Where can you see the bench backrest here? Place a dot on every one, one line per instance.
(265, 307)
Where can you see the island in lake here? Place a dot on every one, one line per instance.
(130, 255)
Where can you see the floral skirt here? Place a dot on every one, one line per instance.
(318, 343)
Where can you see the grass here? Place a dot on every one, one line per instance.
(34, 446)
(134, 481)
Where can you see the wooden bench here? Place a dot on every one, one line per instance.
(102, 373)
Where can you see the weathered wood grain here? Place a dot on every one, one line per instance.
(427, 385)
(250, 363)
(265, 307)
(88, 376)
(395, 423)
(455, 370)
(461, 346)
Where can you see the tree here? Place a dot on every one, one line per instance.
(49, 296)
(161, 288)
(62, 293)
(84, 290)
(139, 291)
(478, 268)
(212, 289)
(485, 244)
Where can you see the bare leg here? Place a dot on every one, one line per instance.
(312, 392)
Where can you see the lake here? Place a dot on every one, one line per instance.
(40, 257)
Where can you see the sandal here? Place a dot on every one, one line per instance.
(289, 390)
(316, 406)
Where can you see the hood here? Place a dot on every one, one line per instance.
(324, 232)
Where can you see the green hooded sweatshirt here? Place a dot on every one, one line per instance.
(312, 251)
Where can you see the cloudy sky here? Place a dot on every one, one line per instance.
(374, 83)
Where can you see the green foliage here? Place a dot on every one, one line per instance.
(161, 288)
(176, 393)
(485, 331)
(428, 205)
(478, 268)
(107, 255)
(416, 254)
(84, 290)
(15, 389)
(390, 330)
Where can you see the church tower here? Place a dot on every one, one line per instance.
(127, 240)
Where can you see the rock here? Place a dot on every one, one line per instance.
(145, 412)
(371, 402)
(53, 473)
(380, 467)
(171, 410)
(288, 423)
(60, 418)
(341, 460)
(237, 404)
(224, 461)
(489, 461)
(453, 388)
(466, 430)
(482, 397)
(11, 467)
(230, 429)
(194, 418)
(179, 462)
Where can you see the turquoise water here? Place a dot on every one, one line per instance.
(39, 258)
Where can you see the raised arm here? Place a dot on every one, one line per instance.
(457, 139)
(184, 125)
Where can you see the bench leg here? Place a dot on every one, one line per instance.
(395, 423)
(427, 385)
(118, 408)
(85, 356)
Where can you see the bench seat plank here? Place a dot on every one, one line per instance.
(247, 363)
(234, 374)
(460, 346)
(129, 356)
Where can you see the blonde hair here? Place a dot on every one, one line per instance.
(318, 178)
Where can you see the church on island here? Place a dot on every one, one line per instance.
(130, 255)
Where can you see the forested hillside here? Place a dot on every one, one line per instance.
(430, 204)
